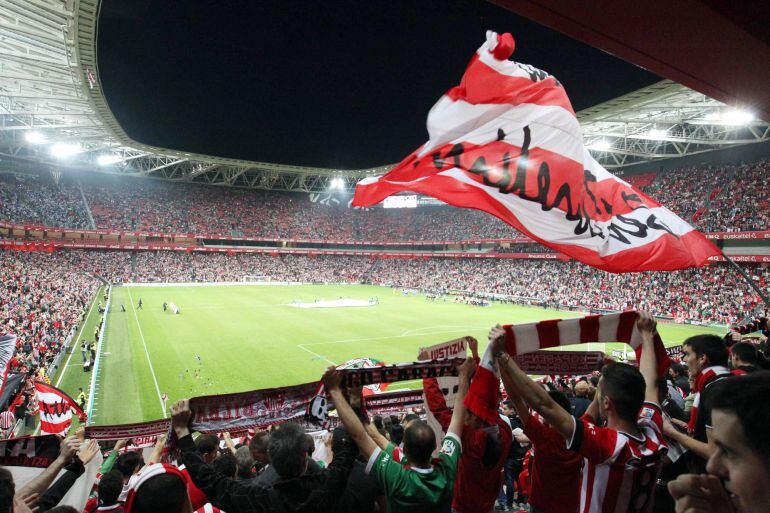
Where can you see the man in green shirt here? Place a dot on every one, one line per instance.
(425, 484)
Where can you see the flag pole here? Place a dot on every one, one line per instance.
(748, 279)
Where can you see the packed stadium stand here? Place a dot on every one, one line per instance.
(714, 198)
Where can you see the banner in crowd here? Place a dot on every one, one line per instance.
(56, 409)
(219, 420)
(27, 457)
(452, 349)
(562, 363)
(507, 141)
(7, 348)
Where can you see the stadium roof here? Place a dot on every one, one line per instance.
(53, 113)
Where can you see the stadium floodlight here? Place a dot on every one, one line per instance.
(337, 183)
(600, 145)
(107, 160)
(657, 134)
(34, 137)
(737, 117)
(64, 150)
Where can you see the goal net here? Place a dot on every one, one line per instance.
(255, 278)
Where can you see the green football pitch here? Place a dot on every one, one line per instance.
(237, 338)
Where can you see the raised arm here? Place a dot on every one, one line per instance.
(229, 442)
(532, 393)
(375, 435)
(648, 365)
(228, 494)
(348, 417)
(69, 446)
(458, 415)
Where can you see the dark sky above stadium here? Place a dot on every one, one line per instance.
(338, 84)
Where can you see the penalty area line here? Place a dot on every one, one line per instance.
(147, 353)
(302, 346)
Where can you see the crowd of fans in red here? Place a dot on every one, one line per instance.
(727, 198)
(389, 466)
(43, 295)
(632, 438)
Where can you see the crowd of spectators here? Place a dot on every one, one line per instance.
(29, 200)
(43, 298)
(729, 198)
(620, 439)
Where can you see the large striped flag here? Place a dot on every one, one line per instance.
(506, 141)
(56, 409)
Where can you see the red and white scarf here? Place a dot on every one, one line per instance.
(526, 338)
(702, 380)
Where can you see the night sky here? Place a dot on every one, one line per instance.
(339, 84)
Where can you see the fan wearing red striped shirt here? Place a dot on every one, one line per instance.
(622, 459)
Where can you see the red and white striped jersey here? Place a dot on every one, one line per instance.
(620, 470)
(6, 420)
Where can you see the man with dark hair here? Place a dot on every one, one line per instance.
(208, 446)
(424, 484)
(110, 487)
(622, 460)
(295, 490)
(271, 473)
(258, 447)
(706, 360)
(226, 465)
(743, 358)
(739, 469)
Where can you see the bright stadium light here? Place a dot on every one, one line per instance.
(600, 145)
(737, 117)
(337, 183)
(107, 160)
(657, 134)
(63, 150)
(34, 137)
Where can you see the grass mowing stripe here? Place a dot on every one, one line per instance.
(76, 337)
(96, 368)
(229, 339)
(149, 361)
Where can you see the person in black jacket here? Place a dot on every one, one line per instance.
(294, 492)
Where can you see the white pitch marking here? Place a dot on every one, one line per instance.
(75, 342)
(302, 346)
(147, 353)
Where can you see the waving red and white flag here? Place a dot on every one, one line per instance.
(506, 141)
(7, 348)
(56, 409)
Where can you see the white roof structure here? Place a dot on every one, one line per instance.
(53, 113)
